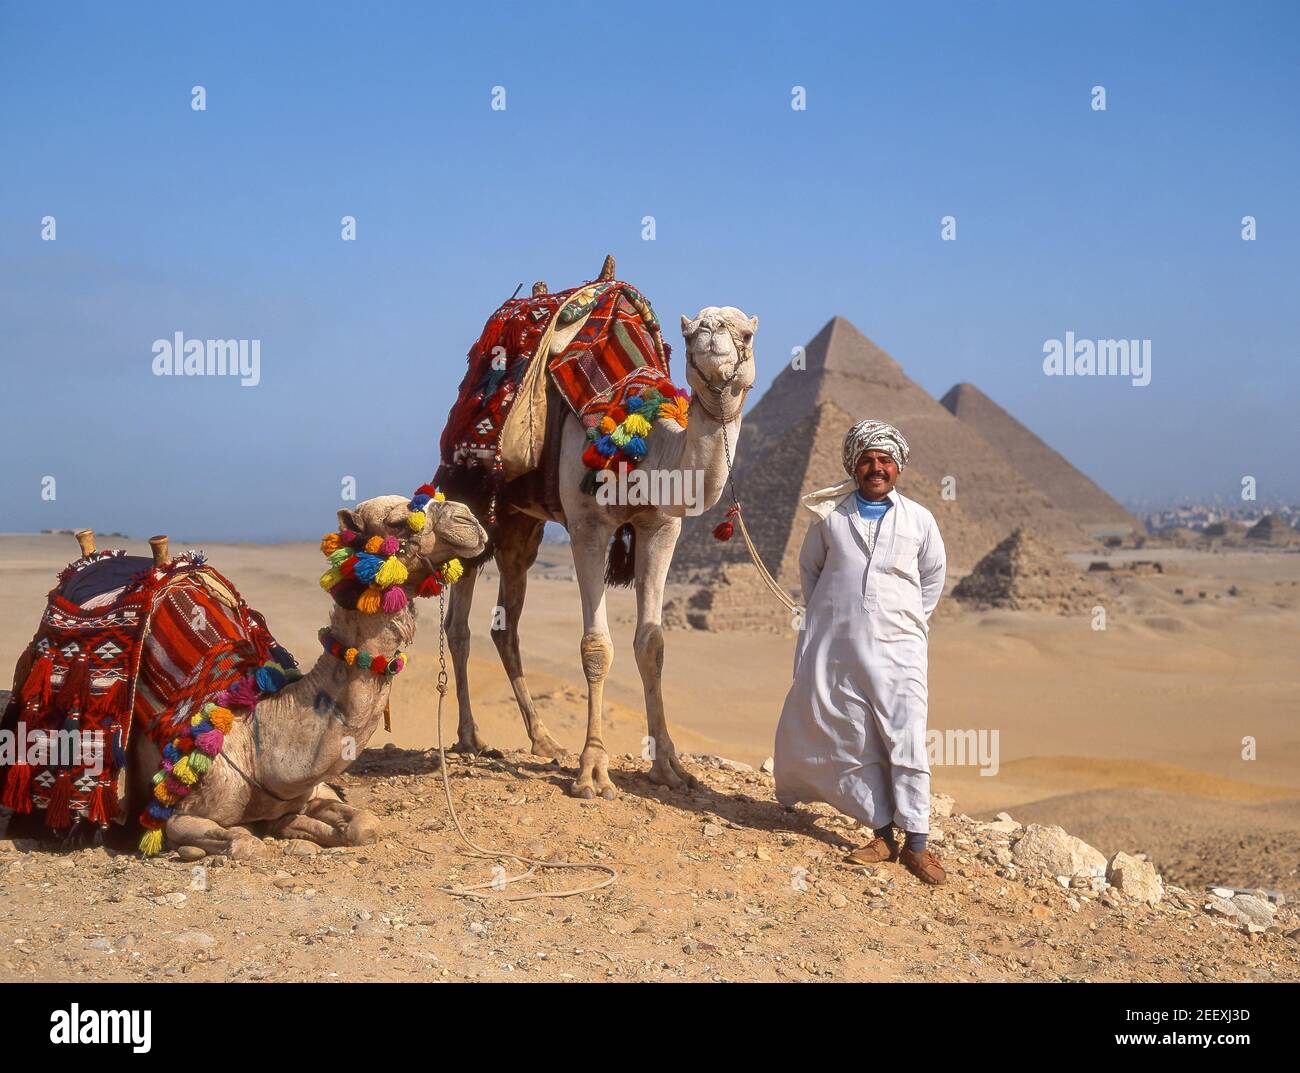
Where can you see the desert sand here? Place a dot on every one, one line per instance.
(1128, 737)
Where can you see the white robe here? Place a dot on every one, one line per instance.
(852, 731)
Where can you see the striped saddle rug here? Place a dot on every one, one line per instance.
(123, 647)
(617, 344)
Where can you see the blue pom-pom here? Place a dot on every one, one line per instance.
(418, 502)
(269, 680)
(159, 811)
(606, 446)
(170, 752)
(635, 447)
(632, 403)
(202, 728)
(367, 566)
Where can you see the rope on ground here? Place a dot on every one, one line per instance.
(478, 890)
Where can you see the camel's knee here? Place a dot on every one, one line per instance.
(457, 636)
(597, 656)
(363, 829)
(649, 648)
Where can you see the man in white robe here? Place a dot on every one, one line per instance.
(852, 731)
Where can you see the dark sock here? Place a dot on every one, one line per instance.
(887, 833)
(915, 843)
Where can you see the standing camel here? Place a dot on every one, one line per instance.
(720, 371)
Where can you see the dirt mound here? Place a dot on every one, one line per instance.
(718, 883)
(1024, 574)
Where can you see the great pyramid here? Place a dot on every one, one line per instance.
(1024, 573)
(790, 441)
(1047, 470)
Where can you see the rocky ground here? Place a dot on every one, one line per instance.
(718, 883)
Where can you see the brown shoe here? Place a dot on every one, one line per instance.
(874, 852)
(924, 865)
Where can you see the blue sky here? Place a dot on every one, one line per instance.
(225, 223)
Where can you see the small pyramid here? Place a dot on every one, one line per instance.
(1270, 529)
(789, 444)
(1024, 573)
(1047, 470)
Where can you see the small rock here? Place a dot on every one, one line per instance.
(1049, 850)
(838, 901)
(191, 853)
(941, 805)
(300, 847)
(768, 766)
(1135, 878)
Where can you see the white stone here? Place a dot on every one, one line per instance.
(1049, 850)
(1135, 878)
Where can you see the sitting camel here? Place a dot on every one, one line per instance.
(273, 768)
(312, 729)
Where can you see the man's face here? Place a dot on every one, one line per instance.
(876, 474)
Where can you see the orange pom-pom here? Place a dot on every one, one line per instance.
(329, 543)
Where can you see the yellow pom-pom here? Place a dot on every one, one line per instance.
(350, 656)
(329, 543)
(152, 842)
(451, 571)
(181, 769)
(164, 795)
(607, 425)
(368, 602)
(392, 572)
(221, 718)
(636, 425)
(416, 521)
(373, 544)
(195, 720)
(438, 497)
(329, 579)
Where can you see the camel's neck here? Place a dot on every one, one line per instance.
(699, 451)
(314, 727)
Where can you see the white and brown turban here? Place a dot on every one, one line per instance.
(874, 436)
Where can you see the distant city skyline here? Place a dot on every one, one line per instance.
(943, 179)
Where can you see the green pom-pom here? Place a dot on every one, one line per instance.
(363, 660)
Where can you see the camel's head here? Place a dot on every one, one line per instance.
(720, 351)
(383, 528)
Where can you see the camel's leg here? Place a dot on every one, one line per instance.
(329, 823)
(209, 836)
(656, 537)
(516, 551)
(590, 541)
(460, 598)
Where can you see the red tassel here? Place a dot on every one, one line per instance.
(723, 531)
(37, 686)
(57, 812)
(76, 684)
(100, 811)
(16, 796)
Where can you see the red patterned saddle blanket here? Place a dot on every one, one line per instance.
(123, 647)
(620, 343)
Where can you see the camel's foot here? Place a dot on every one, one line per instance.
(238, 843)
(593, 776)
(330, 823)
(545, 745)
(472, 745)
(668, 770)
